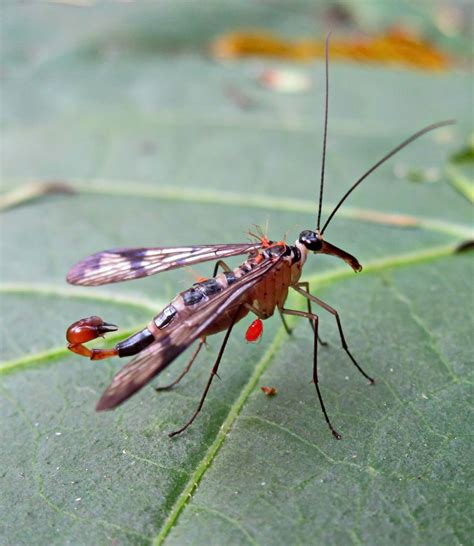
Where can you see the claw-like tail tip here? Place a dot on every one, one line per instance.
(106, 327)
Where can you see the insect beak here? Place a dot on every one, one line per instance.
(332, 250)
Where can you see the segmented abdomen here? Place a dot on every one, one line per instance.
(269, 293)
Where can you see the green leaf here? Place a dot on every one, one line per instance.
(159, 153)
(460, 171)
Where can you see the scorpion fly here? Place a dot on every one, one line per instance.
(259, 286)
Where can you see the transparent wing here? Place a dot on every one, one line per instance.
(123, 264)
(179, 335)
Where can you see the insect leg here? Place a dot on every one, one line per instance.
(314, 318)
(339, 326)
(186, 370)
(305, 284)
(256, 311)
(221, 263)
(289, 331)
(211, 377)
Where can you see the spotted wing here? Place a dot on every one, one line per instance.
(123, 264)
(179, 335)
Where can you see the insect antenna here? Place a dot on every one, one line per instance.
(323, 162)
(385, 158)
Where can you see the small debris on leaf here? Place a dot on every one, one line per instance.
(269, 391)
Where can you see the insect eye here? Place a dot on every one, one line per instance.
(311, 240)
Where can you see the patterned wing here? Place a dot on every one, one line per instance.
(123, 264)
(181, 334)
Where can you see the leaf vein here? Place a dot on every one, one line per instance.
(232, 521)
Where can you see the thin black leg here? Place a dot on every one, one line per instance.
(185, 371)
(306, 285)
(289, 331)
(314, 318)
(339, 326)
(211, 377)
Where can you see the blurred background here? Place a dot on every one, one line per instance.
(146, 92)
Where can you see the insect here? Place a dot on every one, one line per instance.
(259, 286)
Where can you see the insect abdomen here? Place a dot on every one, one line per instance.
(136, 343)
(201, 290)
(141, 340)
